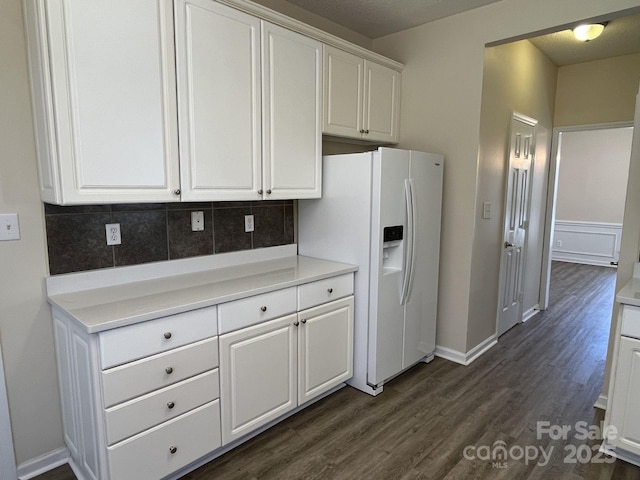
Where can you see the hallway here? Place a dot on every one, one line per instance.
(426, 421)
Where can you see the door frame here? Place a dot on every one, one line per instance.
(515, 116)
(552, 193)
(7, 456)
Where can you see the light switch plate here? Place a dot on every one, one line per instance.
(486, 210)
(9, 227)
(197, 221)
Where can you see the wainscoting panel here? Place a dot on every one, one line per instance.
(586, 242)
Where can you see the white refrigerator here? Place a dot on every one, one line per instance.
(381, 211)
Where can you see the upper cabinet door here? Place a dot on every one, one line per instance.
(343, 93)
(104, 100)
(292, 125)
(218, 64)
(382, 93)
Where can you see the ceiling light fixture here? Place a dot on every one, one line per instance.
(587, 32)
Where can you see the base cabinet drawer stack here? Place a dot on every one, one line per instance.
(146, 400)
(140, 401)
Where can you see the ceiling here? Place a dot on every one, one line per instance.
(377, 18)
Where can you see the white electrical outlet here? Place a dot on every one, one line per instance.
(113, 233)
(9, 227)
(197, 221)
(248, 223)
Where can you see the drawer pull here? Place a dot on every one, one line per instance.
(263, 308)
(167, 335)
(296, 323)
(170, 405)
(173, 450)
(330, 290)
(169, 370)
(304, 320)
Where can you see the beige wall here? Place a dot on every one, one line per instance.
(597, 92)
(441, 98)
(594, 166)
(517, 78)
(25, 318)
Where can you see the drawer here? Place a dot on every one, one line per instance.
(125, 344)
(630, 321)
(259, 308)
(143, 376)
(148, 456)
(144, 412)
(322, 291)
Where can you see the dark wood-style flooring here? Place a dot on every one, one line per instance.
(548, 369)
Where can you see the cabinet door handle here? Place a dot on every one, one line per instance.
(260, 192)
(173, 449)
(362, 130)
(296, 323)
(304, 320)
(169, 370)
(170, 405)
(366, 131)
(269, 192)
(176, 191)
(330, 290)
(167, 335)
(263, 308)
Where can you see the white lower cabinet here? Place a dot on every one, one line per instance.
(146, 401)
(325, 348)
(258, 375)
(269, 369)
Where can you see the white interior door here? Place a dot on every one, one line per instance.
(516, 219)
(7, 458)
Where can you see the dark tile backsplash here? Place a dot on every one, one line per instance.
(153, 232)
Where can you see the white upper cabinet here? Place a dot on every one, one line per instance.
(219, 101)
(249, 100)
(361, 98)
(103, 82)
(292, 100)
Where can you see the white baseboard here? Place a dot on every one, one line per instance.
(601, 403)
(39, 465)
(590, 243)
(466, 358)
(532, 312)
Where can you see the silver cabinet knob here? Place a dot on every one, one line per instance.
(167, 335)
(176, 191)
(269, 192)
(260, 192)
(169, 370)
(263, 308)
(362, 130)
(170, 405)
(330, 290)
(508, 244)
(366, 131)
(296, 323)
(304, 320)
(173, 449)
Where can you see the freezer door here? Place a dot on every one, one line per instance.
(386, 318)
(421, 306)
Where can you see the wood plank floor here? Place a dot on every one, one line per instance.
(547, 370)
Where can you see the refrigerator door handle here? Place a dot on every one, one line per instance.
(409, 243)
(413, 232)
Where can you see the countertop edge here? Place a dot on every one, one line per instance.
(334, 269)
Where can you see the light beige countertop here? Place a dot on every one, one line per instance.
(104, 300)
(630, 293)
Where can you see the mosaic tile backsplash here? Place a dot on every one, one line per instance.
(76, 236)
